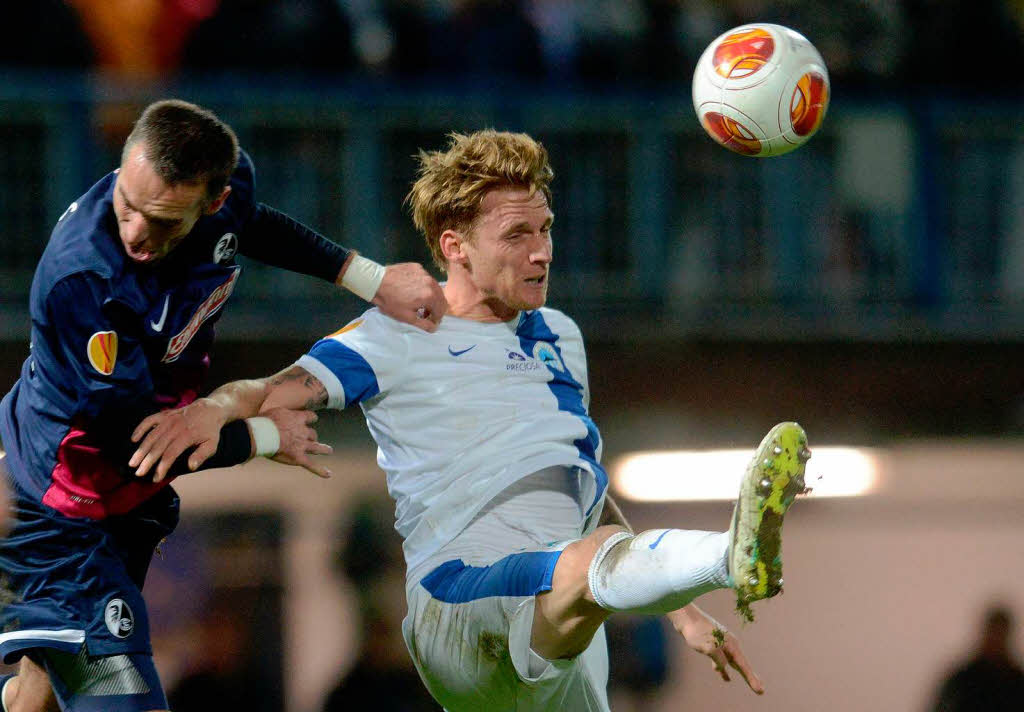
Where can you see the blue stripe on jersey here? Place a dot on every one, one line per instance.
(524, 574)
(356, 376)
(566, 389)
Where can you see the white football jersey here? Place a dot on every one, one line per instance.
(460, 414)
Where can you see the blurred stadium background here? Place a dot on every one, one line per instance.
(870, 285)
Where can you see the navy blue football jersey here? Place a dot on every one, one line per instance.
(111, 337)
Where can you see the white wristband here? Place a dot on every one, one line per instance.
(265, 436)
(363, 277)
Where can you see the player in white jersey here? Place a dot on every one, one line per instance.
(516, 555)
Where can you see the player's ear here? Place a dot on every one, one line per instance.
(452, 249)
(219, 202)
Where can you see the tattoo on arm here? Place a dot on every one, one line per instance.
(318, 399)
(317, 392)
(293, 373)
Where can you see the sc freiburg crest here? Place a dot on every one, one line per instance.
(119, 619)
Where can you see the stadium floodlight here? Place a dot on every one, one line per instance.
(709, 475)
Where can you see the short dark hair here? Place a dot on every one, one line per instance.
(186, 143)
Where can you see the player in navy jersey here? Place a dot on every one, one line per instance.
(123, 306)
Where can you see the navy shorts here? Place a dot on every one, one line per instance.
(105, 683)
(75, 584)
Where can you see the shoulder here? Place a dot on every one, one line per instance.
(85, 236)
(243, 188)
(375, 332)
(245, 164)
(244, 176)
(83, 300)
(83, 242)
(560, 323)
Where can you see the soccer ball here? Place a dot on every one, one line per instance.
(760, 90)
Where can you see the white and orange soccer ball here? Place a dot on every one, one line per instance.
(761, 89)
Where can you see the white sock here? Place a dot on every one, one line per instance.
(659, 570)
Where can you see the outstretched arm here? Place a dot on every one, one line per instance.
(405, 292)
(284, 398)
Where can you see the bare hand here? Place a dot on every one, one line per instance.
(409, 294)
(298, 440)
(709, 637)
(169, 433)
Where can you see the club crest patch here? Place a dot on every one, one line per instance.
(225, 248)
(102, 351)
(119, 619)
(546, 354)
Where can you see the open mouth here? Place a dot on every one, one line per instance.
(537, 280)
(140, 255)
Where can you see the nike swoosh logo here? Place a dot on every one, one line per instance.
(159, 325)
(658, 540)
(459, 353)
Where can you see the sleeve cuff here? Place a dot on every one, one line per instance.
(335, 391)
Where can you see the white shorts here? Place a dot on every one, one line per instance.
(470, 616)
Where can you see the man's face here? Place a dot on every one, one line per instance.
(508, 250)
(152, 216)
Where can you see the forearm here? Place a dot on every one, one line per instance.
(273, 238)
(235, 447)
(112, 432)
(239, 399)
(687, 616)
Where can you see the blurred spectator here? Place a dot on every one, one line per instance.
(617, 44)
(384, 676)
(488, 39)
(223, 675)
(992, 680)
(310, 37)
(474, 41)
(417, 27)
(219, 647)
(611, 33)
(558, 30)
(140, 39)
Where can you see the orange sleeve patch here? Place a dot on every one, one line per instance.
(348, 327)
(102, 351)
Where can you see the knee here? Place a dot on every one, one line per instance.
(571, 572)
(566, 617)
(30, 690)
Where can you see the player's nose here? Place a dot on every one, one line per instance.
(541, 253)
(133, 232)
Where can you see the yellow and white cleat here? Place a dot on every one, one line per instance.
(773, 480)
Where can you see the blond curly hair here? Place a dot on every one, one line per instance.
(451, 183)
